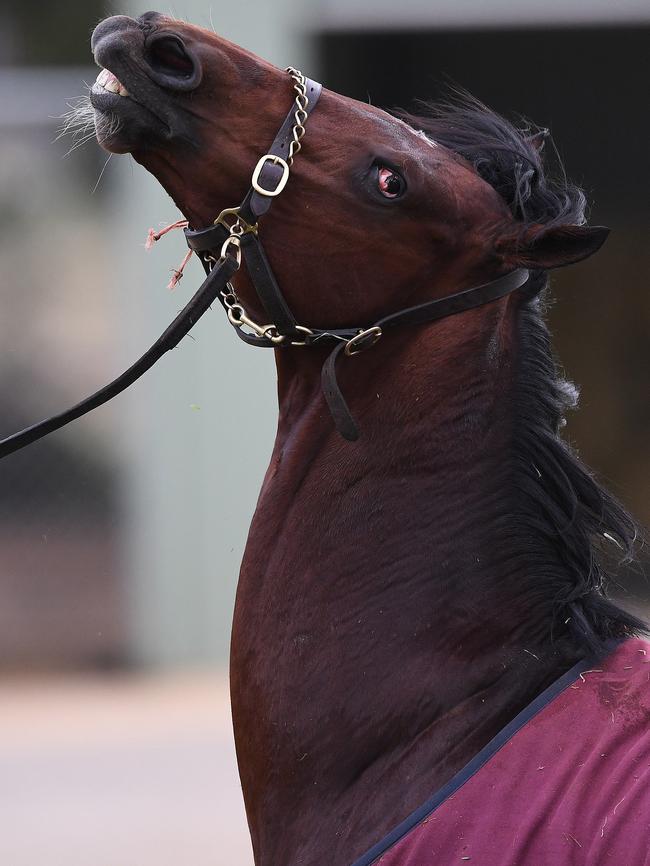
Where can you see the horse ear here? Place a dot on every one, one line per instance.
(546, 248)
(538, 139)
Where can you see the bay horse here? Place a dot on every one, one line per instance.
(425, 667)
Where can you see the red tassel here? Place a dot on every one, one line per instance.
(151, 239)
(177, 274)
(154, 236)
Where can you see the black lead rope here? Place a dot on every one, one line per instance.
(254, 205)
(209, 290)
(215, 245)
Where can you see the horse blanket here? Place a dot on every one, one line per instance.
(566, 783)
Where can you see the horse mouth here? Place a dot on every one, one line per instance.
(138, 94)
(106, 87)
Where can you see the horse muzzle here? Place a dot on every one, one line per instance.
(149, 44)
(145, 66)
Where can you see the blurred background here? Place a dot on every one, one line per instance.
(121, 536)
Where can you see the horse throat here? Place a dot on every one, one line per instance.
(382, 633)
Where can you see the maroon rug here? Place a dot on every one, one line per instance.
(567, 783)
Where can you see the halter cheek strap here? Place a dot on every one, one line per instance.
(233, 239)
(271, 173)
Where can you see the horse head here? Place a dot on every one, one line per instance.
(377, 214)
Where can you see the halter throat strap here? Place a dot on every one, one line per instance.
(430, 311)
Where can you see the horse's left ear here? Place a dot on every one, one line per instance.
(546, 248)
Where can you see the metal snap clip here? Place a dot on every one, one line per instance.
(232, 241)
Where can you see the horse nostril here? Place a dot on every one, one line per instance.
(171, 64)
(168, 56)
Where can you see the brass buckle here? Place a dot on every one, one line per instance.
(223, 220)
(358, 342)
(276, 160)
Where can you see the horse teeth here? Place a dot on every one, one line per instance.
(109, 82)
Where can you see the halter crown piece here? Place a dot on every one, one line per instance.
(232, 240)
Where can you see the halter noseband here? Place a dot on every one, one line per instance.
(234, 237)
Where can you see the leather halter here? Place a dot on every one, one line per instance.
(284, 330)
(221, 248)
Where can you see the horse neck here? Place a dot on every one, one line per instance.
(433, 464)
(377, 595)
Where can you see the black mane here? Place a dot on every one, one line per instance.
(508, 158)
(559, 506)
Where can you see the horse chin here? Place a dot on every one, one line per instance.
(126, 126)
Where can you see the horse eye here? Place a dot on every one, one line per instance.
(391, 184)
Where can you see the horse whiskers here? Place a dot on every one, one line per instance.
(101, 174)
(79, 135)
(80, 142)
(82, 124)
(108, 127)
(78, 119)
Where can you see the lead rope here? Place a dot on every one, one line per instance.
(216, 285)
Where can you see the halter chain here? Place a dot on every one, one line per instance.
(235, 309)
